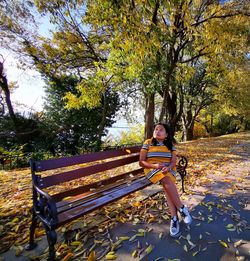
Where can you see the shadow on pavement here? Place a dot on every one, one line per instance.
(219, 231)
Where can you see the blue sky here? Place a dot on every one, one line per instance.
(30, 91)
(30, 85)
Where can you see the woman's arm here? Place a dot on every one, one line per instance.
(143, 162)
(172, 164)
(173, 161)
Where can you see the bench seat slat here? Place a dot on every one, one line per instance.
(84, 158)
(83, 172)
(79, 190)
(91, 205)
(90, 195)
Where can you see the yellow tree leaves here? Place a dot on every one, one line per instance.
(91, 92)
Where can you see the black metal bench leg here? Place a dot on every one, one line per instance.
(33, 226)
(52, 238)
(182, 184)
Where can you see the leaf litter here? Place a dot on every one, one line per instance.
(15, 202)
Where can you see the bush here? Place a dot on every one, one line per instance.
(199, 130)
(226, 124)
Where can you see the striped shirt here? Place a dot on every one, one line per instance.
(159, 153)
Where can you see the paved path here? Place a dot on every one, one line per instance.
(221, 215)
(220, 228)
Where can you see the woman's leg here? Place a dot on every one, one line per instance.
(174, 199)
(174, 228)
(171, 205)
(171, 194)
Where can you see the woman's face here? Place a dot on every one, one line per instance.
(159, 132)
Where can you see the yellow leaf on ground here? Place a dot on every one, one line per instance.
(68, 257)
(111, 257)
(91, 256)
(223, 243)
(149, 249)
(124, 238)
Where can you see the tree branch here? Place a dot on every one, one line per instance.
(196, 56)
(219, 17)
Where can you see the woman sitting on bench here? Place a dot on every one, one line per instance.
(158, 158)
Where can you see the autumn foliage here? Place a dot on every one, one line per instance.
(206, 156)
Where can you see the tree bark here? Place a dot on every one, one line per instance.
(5, 87)
(188, 121)
(102, 123)
(149, 115)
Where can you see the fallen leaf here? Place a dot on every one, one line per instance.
(91, 256)
(223, 243)
(210, 220)
(238, 243)
(229, 225)
(124, 238)
(75, 243)
(111, 256)
(135, 253)
(132, 238)
(149, 249)
(68, 257)
(159, 258)
(195, 253)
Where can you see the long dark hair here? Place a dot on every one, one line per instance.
(168, 142)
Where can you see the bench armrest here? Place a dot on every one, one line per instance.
(44, 206)
(181, 168)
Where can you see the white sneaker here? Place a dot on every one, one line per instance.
(174, 227)
(185, 214)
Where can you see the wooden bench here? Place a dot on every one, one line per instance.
(55, 210)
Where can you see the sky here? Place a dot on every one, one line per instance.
(30, 91)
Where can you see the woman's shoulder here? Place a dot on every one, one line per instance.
(148, 141)
(146, 144)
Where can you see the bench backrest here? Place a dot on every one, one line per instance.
(102, 161)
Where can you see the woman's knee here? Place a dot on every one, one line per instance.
(166, 182)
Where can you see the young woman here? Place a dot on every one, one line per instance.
(158, 158)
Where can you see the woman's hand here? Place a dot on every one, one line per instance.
(166, 169)
(159, 165)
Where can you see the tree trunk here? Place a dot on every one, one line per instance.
(188, 121)
(5, 88)
(171, 113)
(149, 115)
(211, 124)
(102, 123)
(164, 106)
(190, 131)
